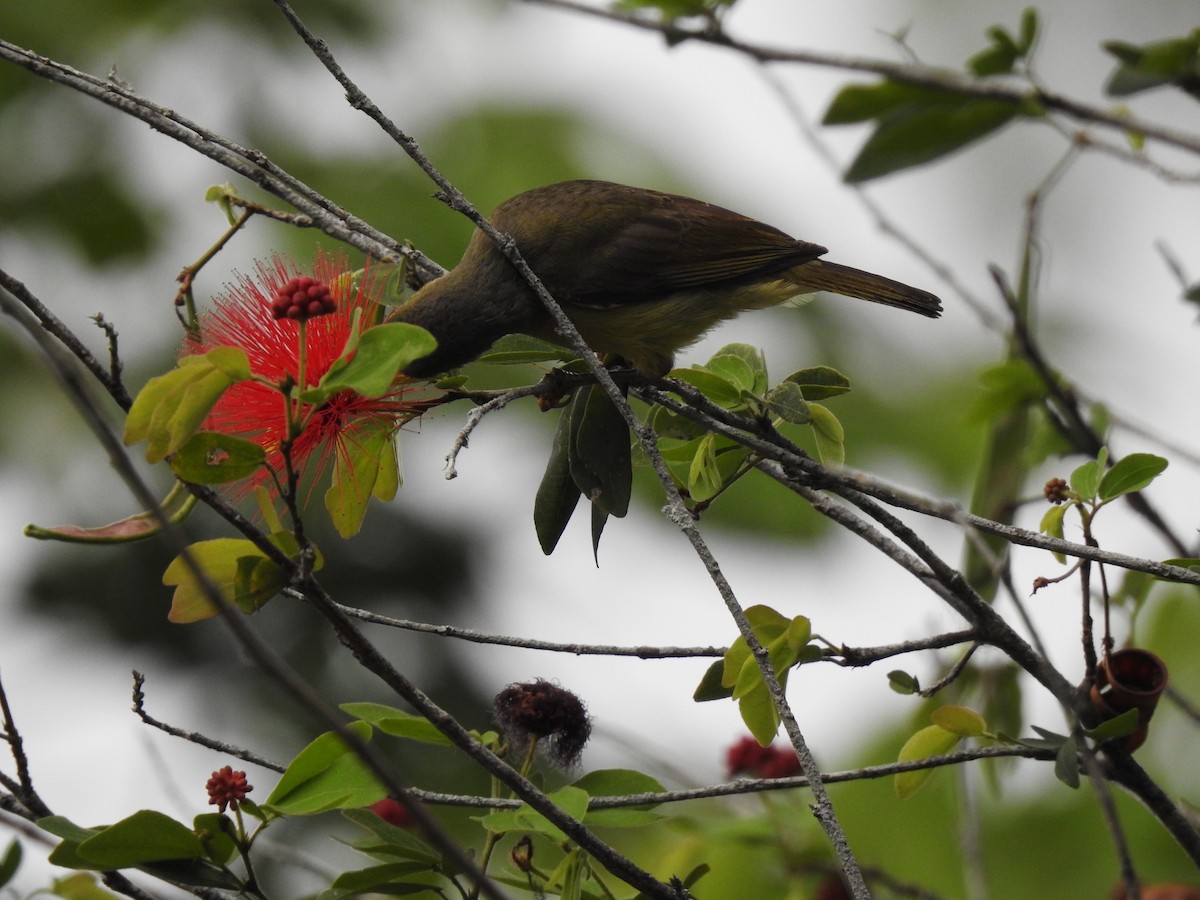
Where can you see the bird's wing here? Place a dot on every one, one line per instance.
(684, 244)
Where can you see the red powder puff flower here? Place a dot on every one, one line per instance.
(393, 812)
(262, 316)
(749, 757)
(227, 788)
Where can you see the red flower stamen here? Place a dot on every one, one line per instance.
(248, 315)
(227, 788)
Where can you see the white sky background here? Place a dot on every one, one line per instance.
(1115, 325)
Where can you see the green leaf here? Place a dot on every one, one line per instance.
(994, 60)
(902, 682)
(753, 357)
(862, 102)
(619, 783)
(10, 862)
(1066, 763)
(326, 775)
(1085, 480)
(717, 388)
(959, 720)
(1174, 61)
(520, 349)
(710, 687)
(366, 467)
(925, 133)
(932, 740)
(217, 835)
(1130, 474)
(831, 437)
(819, 382)
(1118, 726)
(389, 840)
(171, 407)
(571, 800)
(383, 351)
(397, 722)
(394, 879)
(786, 400)
(210, 457)
(557, 494)
(785, 641)
(1028, 30)
(1052, 521)
(914, 125)
(238, 569)
(600, 452)
(231, 362)
(735, 370)
(146, 836)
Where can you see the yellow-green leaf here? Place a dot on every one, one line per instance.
(932, 740)
(959, 720)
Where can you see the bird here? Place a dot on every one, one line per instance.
(641, 274)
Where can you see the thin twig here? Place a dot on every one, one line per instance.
(193, 737)
(578, 649)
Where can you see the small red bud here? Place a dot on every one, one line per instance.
(302, 297)
(1057, 490)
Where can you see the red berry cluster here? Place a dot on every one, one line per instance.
(749, 757)
(1057, 490)
(226, 788)
(303, 297)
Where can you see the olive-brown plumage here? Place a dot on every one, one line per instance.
(640, 273)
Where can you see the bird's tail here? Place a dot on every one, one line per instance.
(820, 275)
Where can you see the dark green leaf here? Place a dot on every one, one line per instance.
(11, 862)
(863, 102)
(1066, 764)
(1118, 726)
(1174, 61)
(998, 59)
(902, 682)
(146, 836)
(217, 835)
(923, 133)
(1029, 30)
(390, 840)
(393, 879)
(558, 494)
(710, 687)
(820, 382)
(600, 454)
